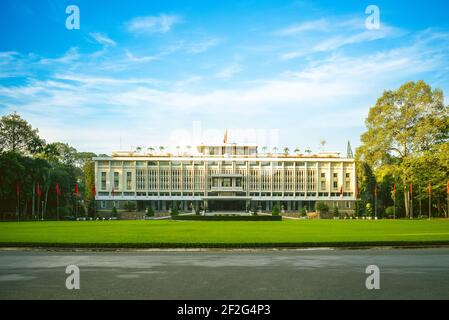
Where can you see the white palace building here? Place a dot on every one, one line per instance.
(225, 177)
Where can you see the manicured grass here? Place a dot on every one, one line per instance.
(225, 233)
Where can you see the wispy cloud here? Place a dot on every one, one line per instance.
(139, 59)
(153, 24)
(312, 25)
(102, 39)
(192, 46)
(332, 35)
(229, 71)
(71, 55)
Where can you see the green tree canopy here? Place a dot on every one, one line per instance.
(402, 126)
(17, 135)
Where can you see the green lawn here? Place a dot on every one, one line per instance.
(218, 234)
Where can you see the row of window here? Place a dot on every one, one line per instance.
(265, 180)
(347, 204)
(240, 164)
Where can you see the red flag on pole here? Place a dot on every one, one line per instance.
(76, 189)
(357, 189)
(58, 190)
(225, 138)
(430, 189)
(411, 187)
(38, 190)
(94, 191)
(113, 192)
(394, 189)
(341, 192)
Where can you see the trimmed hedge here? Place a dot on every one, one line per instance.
(228, 218)
(176, 245)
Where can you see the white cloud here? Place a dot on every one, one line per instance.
(229, 71)
(102, 38)
(153, 24)
(131, 57)
(71, 55)
(312, 25)
(191, 47)
(334, 42)
(189, 80)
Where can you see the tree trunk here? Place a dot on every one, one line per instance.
(25, 209)
(407, 203)
(45, 206)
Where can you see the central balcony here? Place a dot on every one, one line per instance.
(229, 189)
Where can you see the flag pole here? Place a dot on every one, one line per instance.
(420, 199)
(18, 202)
(411, 200)
(447, 192)
(430, 199)
(375, 201)
(394, 208)
(394, 203)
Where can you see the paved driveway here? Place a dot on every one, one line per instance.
(289, 274)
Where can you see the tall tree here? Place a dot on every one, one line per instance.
(17, 135)
(401, 126)
(89, 179)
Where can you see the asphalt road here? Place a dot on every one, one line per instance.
(289, 274)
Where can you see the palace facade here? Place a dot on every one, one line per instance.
(226, 177)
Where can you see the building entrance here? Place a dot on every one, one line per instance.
(227, 205)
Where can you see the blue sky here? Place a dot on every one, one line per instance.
(151, 73)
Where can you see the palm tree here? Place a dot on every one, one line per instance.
(264, 149)
(286, 150)
(138, 149)
(162, 148)
(296, 150)
(308, 151)
(150, 149)
(177, 149)
(275, 149)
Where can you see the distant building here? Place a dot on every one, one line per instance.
(225, 177)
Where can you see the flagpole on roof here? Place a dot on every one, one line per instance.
(225, 138)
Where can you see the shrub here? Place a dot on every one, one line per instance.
(369, 209)
(359, 208)
(174, 209)
(303, 212)
(81, 210)
(130, 206)
(336, 212)
(114, 211)
(92, 208)
(275, 211)
(389, 211)
(150, 211)
(321, 207)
